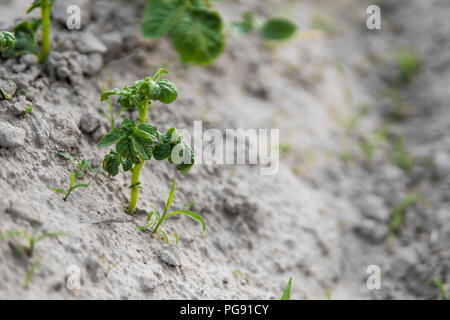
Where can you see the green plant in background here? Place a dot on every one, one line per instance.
(400, 210)
(399, 110)
(193, 26)
(155, 220)
(272, 29)
(136, 143)
(287, 292)
(401, 157)
(113, 115)
(370, 146)
(324, 24)
(82, 167)
(7, 39)
(438, 283)
(408, 64)
(23, 40)
(31, 239)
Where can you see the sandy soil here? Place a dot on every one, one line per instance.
(323, 219)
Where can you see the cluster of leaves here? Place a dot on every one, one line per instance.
(194, 28)
(155, 219)
(81, 168)
(23, 40)
(140, 94)
(272, 29)
(29, 249)
(137, 143)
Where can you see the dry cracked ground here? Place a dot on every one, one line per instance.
(363, 177)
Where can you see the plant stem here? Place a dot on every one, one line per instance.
(45, 46)
(143, 110)
(135, 187)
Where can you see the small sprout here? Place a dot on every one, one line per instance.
(32, 239)
(177, 238)
(4, 95)
(154, 225)
(328, 293)
(28, 110)
(370, 146)
(287, 292)
(399, 212)
(438, 283)
(30, 272)
(408, 65)
(246, 24)
(401, 157)
(82, 167)
(191, 205)
(112, 115)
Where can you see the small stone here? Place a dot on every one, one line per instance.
(113, 42)
(19, 68)
(148, 282)
(371, 231)
(171, 256)
(19, 107)
(9, 87)
(99, 133)
(88, 123)
(11, 136)
(88, 43)
(29, 59)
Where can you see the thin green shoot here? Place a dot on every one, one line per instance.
(438, 283)
(400, 210)
(287, 292)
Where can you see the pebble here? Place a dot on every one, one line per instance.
(11, 136)
(88, 123)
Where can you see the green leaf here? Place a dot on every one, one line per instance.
(4, 95)
(79, 174)
(84, 164)
(164, 235)
(126, 148)
(185, 159)
(198, 36)
(287, 292)
(83, 185)
(278, 29)
(160, 16)
(12, 233)
(51, 235)
(159, 73)
(72, 179)
(169, 200)
(246, 24)
(142, 143)
(151, 130)
(7, 39)
(112, 137)
(127, 165)
(59, 191)
(146, 89)
(37, 4)
(161, 151)
(105, 95)
(25, 34)
(190, 214)
(111, 163)
(97, 170)
(168, 93)
(68, 156)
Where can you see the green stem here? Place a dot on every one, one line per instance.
(135, 186)
(143, 110)
(45, 47)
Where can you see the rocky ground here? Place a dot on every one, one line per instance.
(363, 139)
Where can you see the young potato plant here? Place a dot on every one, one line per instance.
(82, 167)
(136, 143)
(271, 29)
(193, 26)
(23, 40)
(155, 220)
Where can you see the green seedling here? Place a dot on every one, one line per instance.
(30, 272)
(23, 40)
(155, 220)
(370, 146)
(191, 205)
(31, 239)
(399, 212)
(136, 143)
(4, 95)
(82, 167)
(401, 157)
(28, 110)
(438, 283)
(272, 29)
(399, 110)
(113, 115)
(408, 65)
(287, 292)
(194, 28)
(328, 293)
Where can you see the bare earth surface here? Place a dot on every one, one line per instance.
(323, 219)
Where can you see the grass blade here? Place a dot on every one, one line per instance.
(287, 292)
(191, 215)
